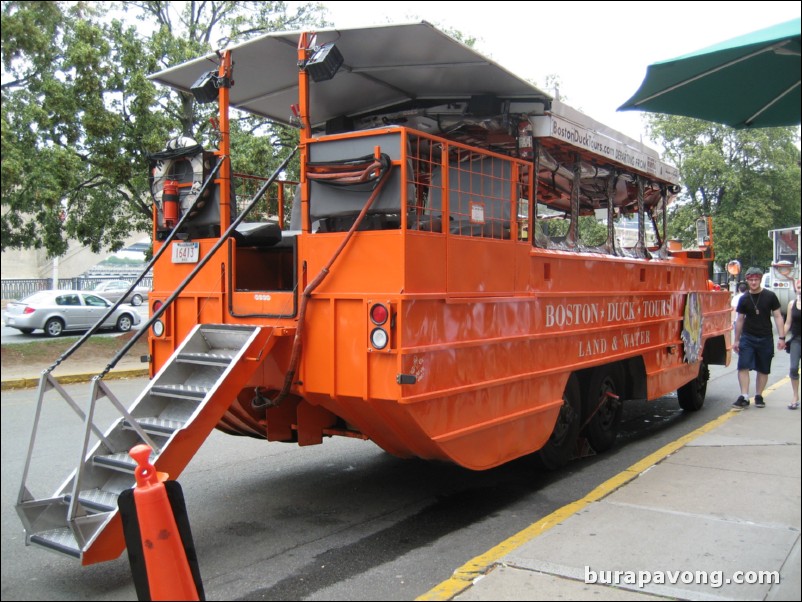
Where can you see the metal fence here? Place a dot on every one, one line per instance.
(22, 287)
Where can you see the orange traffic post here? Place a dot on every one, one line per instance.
(168, 571)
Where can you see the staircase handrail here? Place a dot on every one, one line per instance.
(204, 260)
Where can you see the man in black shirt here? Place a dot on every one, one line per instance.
(754, 341)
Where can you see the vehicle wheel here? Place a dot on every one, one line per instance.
(54, 327)
(560, 447)
(602, 407)
(124, 323)
(25, 330)
(691, 395)
(136, 300)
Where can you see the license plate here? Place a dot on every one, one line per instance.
(186, 252)
(10, 320)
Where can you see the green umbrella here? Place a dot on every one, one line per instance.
(749, 81)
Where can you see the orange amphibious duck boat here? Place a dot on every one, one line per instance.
(468, 270)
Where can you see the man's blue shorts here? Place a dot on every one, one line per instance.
(755, 353)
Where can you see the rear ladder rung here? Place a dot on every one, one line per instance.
(180, 391)
(96, 499)
(120, 461)
(155, 426)
(60, 540)
(206, 359)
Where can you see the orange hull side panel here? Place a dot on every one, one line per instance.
(491, 358)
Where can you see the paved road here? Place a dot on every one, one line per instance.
(10, 336)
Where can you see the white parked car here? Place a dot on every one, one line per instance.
(114, 289)
(58, 311)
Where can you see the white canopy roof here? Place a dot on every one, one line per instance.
(383, 66)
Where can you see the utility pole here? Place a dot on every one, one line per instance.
(55, 273)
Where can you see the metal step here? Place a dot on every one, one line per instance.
(155, 426)
(226, 329)
(96, 499)
(59, 540)
(180, 391)
(207, 359)
(120, 461)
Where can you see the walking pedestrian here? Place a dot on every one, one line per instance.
(793, 342)
(754, 341)
(742, 288)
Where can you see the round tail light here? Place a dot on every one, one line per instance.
(379, 338)
(158, 328)
(379, 314)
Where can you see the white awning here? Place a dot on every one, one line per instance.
(383, 67)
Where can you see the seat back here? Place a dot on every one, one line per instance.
(333, 208)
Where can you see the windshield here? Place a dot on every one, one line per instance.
(112, 285)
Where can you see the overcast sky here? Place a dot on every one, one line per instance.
(599, 50)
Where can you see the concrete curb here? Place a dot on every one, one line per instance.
(524, 563)
(68, 379)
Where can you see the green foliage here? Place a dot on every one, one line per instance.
(79, 115)
(76, 117)
(468, 40)
(748, 180)
(553, 85)
(259, 153)
(592, 232)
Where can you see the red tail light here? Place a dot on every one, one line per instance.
(28, 310)
(379, 314)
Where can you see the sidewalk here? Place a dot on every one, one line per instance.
(699, 519)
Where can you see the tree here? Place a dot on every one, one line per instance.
(748, 180)
(79, 115)
(68, 129)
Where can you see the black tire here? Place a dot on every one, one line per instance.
(560, 447)
(124, 323)
(136, 300)
(602, 406)
(691, 395)
(25, 330)
(54, 327)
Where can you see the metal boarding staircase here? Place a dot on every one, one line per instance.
(173, 415)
